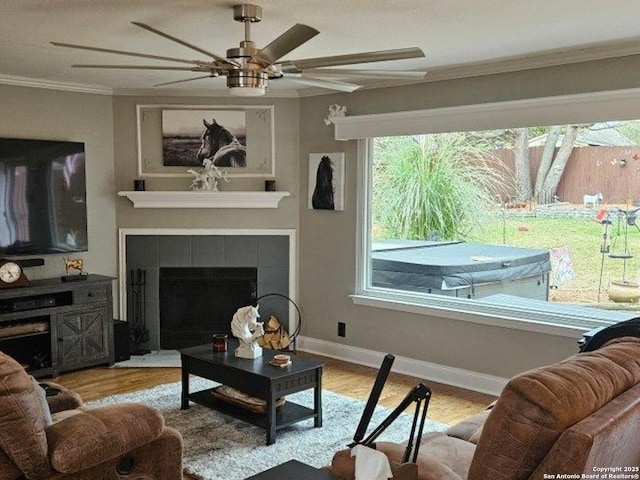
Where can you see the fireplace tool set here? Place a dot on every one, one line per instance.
(139, 331)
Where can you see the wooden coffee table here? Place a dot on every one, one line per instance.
(257, 378)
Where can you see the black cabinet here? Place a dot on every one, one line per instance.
(52, 326)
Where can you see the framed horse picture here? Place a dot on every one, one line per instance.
(191, 136)
(175, 138)
(326, 181)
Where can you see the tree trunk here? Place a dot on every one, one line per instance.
(545, 163)
(550, 185)
(522, 165)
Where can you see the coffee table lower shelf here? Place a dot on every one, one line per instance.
(286, 415)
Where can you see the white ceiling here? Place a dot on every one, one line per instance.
(450, 32)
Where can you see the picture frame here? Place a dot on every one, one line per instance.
(326, 181)
(169, 139)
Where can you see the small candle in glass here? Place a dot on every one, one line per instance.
(220, 342)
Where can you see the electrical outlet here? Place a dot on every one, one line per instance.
(342, 329)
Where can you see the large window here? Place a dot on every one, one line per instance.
(523, 223)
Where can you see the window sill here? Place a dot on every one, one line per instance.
(531, 320)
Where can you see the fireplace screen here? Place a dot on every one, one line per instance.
(195, 303)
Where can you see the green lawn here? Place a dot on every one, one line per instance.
(584, 238)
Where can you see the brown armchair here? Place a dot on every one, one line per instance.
(574, 417)
(38, 442)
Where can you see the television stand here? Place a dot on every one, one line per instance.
(52, 326)
(73, 278)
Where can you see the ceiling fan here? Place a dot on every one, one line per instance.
(248, 68)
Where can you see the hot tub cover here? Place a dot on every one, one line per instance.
(412, 264)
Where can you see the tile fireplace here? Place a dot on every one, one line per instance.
(196, 279)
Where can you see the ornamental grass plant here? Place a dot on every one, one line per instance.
(436, 186)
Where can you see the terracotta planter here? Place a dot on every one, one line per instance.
(624, 292)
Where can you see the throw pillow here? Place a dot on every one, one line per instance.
(42, 400)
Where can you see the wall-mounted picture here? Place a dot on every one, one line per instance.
(172, 139)
(326, 181)
(191, 136)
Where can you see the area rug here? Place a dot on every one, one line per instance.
(218, 447)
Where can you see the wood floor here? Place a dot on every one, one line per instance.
(448, 404)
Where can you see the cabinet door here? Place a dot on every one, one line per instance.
(82, 338)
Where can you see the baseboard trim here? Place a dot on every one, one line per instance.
(457, 377)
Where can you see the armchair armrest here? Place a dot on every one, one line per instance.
(60, 398)
(101, 434)
(470, 429)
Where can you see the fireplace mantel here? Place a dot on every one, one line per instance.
(180, 199)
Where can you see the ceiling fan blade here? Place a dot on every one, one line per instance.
(122, 52)
(137, 67)
(285, 43)
(186, 44)
(296, 66)
(335, 72)
(330, 84)
(182, 81)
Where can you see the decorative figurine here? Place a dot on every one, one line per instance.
(335, 111)
(73, 264)
(246, 328)
(207, 177)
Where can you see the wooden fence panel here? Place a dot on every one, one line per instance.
(612, 171)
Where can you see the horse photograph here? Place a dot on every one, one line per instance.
(221, 147)
(191, 136)
(326, 181)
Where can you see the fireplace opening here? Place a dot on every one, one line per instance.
(196, 302)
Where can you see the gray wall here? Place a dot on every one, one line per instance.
(287, 118)
(328, 239)
(56, 115)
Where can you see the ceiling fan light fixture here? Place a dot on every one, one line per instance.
(248, 68)
(247, 84)
(247, 91)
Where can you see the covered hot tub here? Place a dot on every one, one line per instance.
(468, 270)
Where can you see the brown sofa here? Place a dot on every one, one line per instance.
(574, 418)
(42, 440)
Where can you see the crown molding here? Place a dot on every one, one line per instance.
(54, 85)
(543, 59)
(102, 90)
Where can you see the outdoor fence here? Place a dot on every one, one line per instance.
(612, 171)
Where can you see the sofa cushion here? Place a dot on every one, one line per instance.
(536, 407)
(88, 438)
(608, 437)
(22, 436)
(8, 469)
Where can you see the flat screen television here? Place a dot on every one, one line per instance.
(43, 197)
